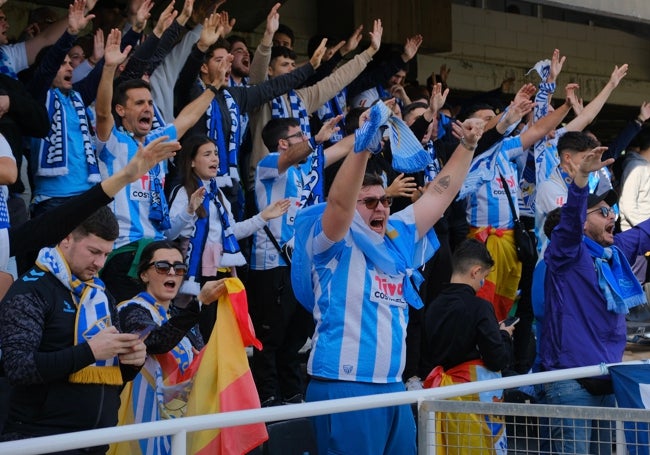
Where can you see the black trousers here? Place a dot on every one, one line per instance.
(283, 326)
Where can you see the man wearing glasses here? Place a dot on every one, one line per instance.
(589, 288)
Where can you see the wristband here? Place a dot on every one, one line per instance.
(466, 145)
(213, 89)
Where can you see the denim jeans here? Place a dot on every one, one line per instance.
(579, 435)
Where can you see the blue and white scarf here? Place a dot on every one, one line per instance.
(157, 121)
(6, 65)
(432, 169)
(332, 108)
(4, 211)
(297, 110)
(312, 182)
(408, 154)
(230, 252)
(53, 149)
(93, 315)
(620, 287)
(228, 154)
(158, 209)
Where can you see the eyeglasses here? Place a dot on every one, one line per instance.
(299, 134)
(163, 267)
(604, 211)
(371, 202)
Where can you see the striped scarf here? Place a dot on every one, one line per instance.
(432, 169)
(6, 65)
(157, 121)
(312, 181)
(228, 169)
(158, 210)
(278, 110)
(230, 254)
(53, 149)
(4, 211)
(93, 315)
(332, 108)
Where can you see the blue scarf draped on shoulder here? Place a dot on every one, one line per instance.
(616, 279)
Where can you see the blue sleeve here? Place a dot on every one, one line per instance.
(566, 239)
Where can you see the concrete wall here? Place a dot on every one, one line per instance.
(490, 46)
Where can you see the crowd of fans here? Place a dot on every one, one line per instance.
(376, 220)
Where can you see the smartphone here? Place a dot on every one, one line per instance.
(510, 321)
(144, 329)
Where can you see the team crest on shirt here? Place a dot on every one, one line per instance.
(348, 369)
(386, 289)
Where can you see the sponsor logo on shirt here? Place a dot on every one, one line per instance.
(387, 290)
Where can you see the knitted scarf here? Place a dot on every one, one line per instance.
(53, 149)
(312, 181)
(93, 315)
(228, 154)
(4, 211)
(616, 280)
(158, 210)
(197, 249)
(432, 169)
(408, 154)
(278, 110)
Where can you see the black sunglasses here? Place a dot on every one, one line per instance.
(604, 211)
(371, 202)
(163, 267)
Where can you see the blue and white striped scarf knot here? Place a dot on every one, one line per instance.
(93, 315)
(297, 110)
(619, 285)
(53, 149)
(408, 154)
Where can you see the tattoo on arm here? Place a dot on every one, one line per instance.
(442, 184)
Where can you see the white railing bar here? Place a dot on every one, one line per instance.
(229, 419)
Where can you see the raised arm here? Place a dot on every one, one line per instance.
(543, 126)
(113, 57)
(443, 189)
(592, 109)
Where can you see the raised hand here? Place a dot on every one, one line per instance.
(590, 162)
(556, 66)
(468, 132)
(273, 20)
(572, 97)
(516, 111)
(226, 23)
(328, 129)
(223, 68)
(444, 73)
(196, 199)
(353, 41)
(330, 51)
(375, 36)
(166, 18)
(210, 33)
(142, 15)
(98, 46)
(186, 13)
(402, 186)
(276, 209)
(525, 92)
(438, 98)
(644, 112)
(148, 156)
(77, 18)
(411, 47)
(113, 56)
(318, 54)
(618, 74)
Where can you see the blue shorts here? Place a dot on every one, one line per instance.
(389, 430)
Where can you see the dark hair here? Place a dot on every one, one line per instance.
(221, 43)
(232, 39)
(275, 130)
(101, 223)
(468, 253)
(474, 108)
(285, 30)
(188, 152)
(413, 106)
(120, 96)
(642, 140)
(372, 179)
(352, 119)
(575, 141)
(281, 51)
(149, 250)
(552, 220)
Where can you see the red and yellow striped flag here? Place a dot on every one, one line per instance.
(224, 381)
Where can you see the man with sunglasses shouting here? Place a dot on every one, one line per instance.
(353, 268)
(589, 288)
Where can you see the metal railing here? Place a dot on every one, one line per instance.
(179, 428)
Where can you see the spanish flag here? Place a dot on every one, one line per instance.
(218, 379)
(224, 382)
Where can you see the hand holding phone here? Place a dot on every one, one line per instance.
(510, 321)
(143, 330)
